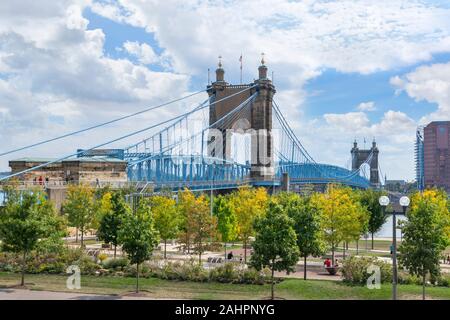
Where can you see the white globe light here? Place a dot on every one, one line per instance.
(384, 201)
(404, 201)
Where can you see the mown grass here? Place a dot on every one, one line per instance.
(167, 289)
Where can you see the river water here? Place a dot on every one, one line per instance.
(386, 230)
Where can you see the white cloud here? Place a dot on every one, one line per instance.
(55, 78)
(143, 52)
(366, 106)
(347, 121)
(430, 83)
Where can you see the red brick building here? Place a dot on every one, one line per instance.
(436, 157)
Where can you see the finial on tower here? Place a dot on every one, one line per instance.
(262, 68)
(219, 71)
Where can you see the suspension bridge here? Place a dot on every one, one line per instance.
(236, 136)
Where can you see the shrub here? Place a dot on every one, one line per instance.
(102, 257)
(87, 265)
(354, 270)
(443, 281)
(118, 264)
(226, 273)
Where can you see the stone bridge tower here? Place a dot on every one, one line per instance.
(359, 156)
(256, 118)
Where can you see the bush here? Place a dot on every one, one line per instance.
(443, 281)
(354, 270)
(102, 257)
(225, 273)
(118, 264)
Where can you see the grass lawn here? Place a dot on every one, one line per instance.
(157, 288)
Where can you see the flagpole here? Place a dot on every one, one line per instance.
(240, 60)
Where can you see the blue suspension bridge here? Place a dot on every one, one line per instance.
(217, 145)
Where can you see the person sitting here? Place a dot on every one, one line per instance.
(336, 263)
(230, 255)
(327, 263)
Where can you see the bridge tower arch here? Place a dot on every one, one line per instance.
(258, 115)
(360, 156)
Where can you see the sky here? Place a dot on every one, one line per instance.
(343, 70)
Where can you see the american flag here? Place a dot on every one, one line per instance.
(240, 60)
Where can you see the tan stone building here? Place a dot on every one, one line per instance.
(91, 170)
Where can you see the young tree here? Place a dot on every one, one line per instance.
(138, 236)
(202, 226)
(426, 234)
(186, 207)
(275, 245)
(167, 219)
(306, 225)
(343, 218)
(369, 199)
(26, 220)
(226, 220)
(114, 209)
(80, 208)
(248, 204)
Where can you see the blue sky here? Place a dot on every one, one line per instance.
(343, 69)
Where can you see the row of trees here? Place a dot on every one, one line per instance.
(295, 226)
(286, 226)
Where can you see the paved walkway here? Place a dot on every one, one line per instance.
(25, 294)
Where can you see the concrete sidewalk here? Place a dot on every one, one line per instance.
(25, 294)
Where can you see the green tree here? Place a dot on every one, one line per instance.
(25, 220)
(307, 225)
(226, 219)
(202, 226)
(275, 244)
(249, 204)
(167, 218)
(80, 208)
(370, 199)
(426, 234)
(138, 236)
(186, 207)
(343, 217)
(113, 209)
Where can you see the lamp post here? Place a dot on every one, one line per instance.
(384, 202)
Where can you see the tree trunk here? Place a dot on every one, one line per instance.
(24, 265)
(200, 258)
(423, 286)
(76, 235)
(82, 238)
(273, 283)
(332, 255)
(357, 246)
(165, 248)
(372, 240)
(115, 250)
(225, 251)
(344, 250)
(245, 251)
(304, 269)
(137, 277)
